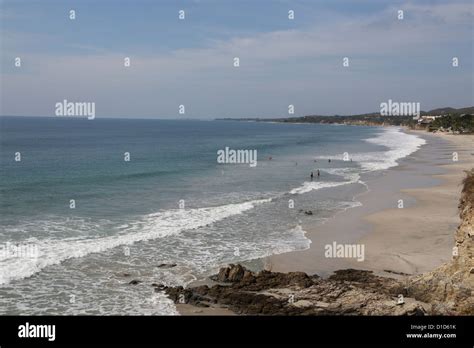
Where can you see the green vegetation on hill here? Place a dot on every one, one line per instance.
(369, 119)
(454, 123)
(453, 120)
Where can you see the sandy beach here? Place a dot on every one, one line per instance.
(398, 241)
(219, 167)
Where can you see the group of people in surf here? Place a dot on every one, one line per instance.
(318, 173)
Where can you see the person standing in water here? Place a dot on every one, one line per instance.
(311, 176)
(318, 173)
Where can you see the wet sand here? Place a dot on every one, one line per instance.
(397, 241)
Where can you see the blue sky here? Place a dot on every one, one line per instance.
(189, 61)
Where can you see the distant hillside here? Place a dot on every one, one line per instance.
(444, 111)
(452, 123)
(438, 111)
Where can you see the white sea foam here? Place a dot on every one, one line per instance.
(152, 226)
(106, 292)
(349, 175)
(399, 144)
(315, 185)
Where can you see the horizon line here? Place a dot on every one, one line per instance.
(217, 118)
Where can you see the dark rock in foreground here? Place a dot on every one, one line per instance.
(349, 292)
(447, 290)
(167, 265)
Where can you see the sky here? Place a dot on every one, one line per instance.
(190, 62)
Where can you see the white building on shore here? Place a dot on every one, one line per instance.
(428, 118)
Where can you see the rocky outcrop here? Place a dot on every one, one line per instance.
(447, 290)
(351, 292)
(240, 277)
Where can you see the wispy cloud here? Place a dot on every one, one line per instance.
(301, 64)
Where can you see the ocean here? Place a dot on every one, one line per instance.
(89, 205)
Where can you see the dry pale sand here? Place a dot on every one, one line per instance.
(418, 239)
(412, 240)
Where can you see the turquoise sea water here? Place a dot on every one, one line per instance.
(171, 203)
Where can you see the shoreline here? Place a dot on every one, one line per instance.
(398, 242)
(395, 239)
(425, 235)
